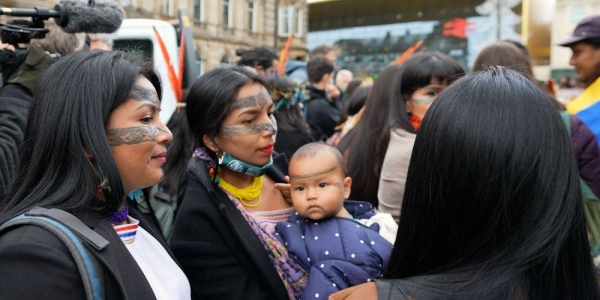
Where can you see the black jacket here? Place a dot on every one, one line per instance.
(13, 119)
(321, 114)
(35, 264)
(218, 251)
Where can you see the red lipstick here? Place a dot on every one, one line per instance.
(268, 149)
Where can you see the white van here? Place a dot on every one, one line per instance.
(138, 36)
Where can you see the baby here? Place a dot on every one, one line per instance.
(324, 234)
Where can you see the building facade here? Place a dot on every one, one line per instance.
(220, 27)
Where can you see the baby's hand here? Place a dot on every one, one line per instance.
(286, 191)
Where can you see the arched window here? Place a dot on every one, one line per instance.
(225, 61)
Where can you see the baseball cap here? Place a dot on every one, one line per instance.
(588, 28)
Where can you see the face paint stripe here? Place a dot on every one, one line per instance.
(254, 129)
(131, 135)
(139, 93)
(261, 99)
(311, 174)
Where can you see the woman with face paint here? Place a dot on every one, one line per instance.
(424, 77)
(93, 140)
(223, 233)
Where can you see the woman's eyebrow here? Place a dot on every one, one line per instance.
(152, 106)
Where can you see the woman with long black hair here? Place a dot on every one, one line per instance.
(492, 208)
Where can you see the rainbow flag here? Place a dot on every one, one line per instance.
(587, 108)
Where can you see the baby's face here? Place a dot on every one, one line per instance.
(318, 186)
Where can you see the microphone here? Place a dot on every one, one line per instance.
(103, 17)
(77, 16)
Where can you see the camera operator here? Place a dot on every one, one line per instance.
(21, 71)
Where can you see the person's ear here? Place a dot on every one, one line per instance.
(210, 143)
(347, 187)
(408, 106)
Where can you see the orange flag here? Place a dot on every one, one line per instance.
(408, 52)
(284, 54)
(175, 82)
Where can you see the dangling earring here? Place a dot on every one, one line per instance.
(136, 195)
(104, 185)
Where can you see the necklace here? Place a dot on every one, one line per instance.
(247, 194)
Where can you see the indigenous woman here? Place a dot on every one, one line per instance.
(223, 233)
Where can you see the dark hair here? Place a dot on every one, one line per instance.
(209, 99)
(256, 57)
(70, 110)
(320, 50)
(519, 46)
(353, 85)
(504, 54)
(594, 42)
(357, 100)
(492, 207)
(313, 149)
(507, 54)
(317, 67)
(179, 153)
(385, 110)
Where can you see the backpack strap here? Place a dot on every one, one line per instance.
(67, 228)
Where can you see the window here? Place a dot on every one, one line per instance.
(227, 9)
(166, 7)
(286, 20)
(224, 61)
(299, 26)
(200, 63)
(198, 10)
(251, 15)
(577, 13)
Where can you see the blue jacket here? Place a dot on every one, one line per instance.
(337, 252)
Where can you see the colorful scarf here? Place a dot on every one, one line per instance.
(415, 122)
(293, 276)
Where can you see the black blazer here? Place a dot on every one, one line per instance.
(218, 251)
(35, 264)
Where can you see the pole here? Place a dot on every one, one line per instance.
(499, 14)
(276, 29)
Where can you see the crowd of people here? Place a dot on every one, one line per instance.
(432, 182)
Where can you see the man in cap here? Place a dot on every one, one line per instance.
(585, 44)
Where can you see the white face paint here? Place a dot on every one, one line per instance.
(274, 121)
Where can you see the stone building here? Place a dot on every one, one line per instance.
(222, 26)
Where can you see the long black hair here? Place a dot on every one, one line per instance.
(385, 110)
(70, 110)
(492, 207)
(209, 98)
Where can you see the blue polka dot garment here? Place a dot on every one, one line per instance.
(337, 252)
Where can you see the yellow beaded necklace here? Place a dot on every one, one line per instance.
(247, 194)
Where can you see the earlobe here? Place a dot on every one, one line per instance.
(347, 187)
(210, 143)
(408, 106)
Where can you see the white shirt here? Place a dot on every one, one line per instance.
(167, 280)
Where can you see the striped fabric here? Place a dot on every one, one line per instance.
(127, 231)
(268, 219)
(587, 108)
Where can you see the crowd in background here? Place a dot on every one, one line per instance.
(432, 182)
